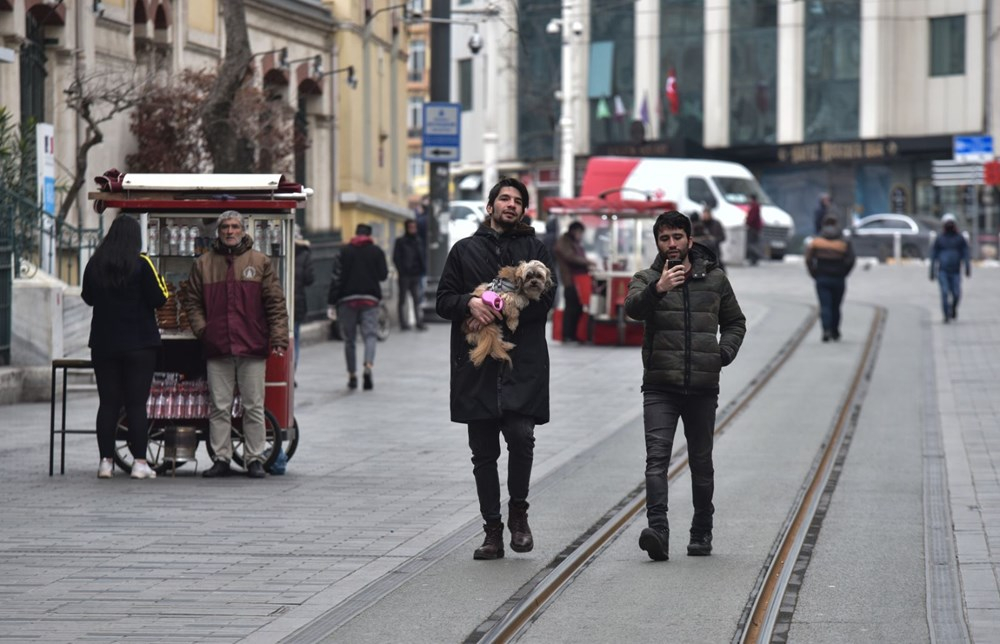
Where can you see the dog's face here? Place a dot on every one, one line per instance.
(533, 278)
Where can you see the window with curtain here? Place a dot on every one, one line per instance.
(947, 46)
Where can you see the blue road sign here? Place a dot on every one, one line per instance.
(442, 132)
(973, 149)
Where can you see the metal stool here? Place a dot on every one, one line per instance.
(65, 365)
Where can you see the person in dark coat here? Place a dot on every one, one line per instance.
(822, 209)
(829, 259)
(304, 276)
(713, 230)
(356, 291)
(495, 398)
(949, 253)
(693, 328)
(125, 290)
(411, 267)
(755, 224)
(572, 260)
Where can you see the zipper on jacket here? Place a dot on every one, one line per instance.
(687, 338)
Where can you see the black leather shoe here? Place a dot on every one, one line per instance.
(656, 543)
(368, 384)
(255, 470)
(701, 544)
(219, 468)
(492, 547)
(352, 382)
(520, 533)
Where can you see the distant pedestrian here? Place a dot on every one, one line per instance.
(572, 259)
(356, 291)
(496, 398)
(829, 259)
(822, 210)
(950, 251)
(408, 255)
(551, 234)
(237, 309)
(715, 230)
(304, 276)
(693, 328)
(125, 290)
(754, 224)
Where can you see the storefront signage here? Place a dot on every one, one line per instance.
(826, 152)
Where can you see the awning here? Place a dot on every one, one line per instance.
(471, 182)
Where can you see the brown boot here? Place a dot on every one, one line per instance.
(492, 547)
(520, 533)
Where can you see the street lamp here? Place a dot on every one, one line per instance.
(569, 28)
(352, 80)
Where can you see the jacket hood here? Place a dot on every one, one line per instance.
(520, 230)
(245, 244)
(361, 240)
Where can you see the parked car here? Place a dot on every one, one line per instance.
(874, 236)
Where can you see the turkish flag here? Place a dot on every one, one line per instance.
(673, 97)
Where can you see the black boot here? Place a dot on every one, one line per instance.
(656, 543)
(520, 533)
(701, 543)
(492, 547)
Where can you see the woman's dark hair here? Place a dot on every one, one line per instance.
(508, 182)
(672, 219)
(117, 256)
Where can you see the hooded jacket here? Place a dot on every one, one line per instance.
(495, 389)
(235, 303)
(358, 269)
(124, 319)
(829, 254)
(950, 251)
(408, 256)
(682, 351)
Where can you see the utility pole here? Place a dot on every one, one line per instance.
(567, 162)
(437, 229)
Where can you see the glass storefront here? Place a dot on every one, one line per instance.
(832, 70)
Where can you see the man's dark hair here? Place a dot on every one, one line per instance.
(671, 219)
(575, 226)
(508, 182)
(363, 229)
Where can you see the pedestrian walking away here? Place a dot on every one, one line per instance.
(822, 210)
(829, 259)
(304, 276)
(408, 256)
(572, 260)
(754, 224)
(693, 328)
(356, 291)
(125, 290)
(237, 309)
(949, 253)
(497, 398)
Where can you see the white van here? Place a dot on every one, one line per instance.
(690, 183)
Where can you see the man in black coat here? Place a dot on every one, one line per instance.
(495, 398)
(408, 257)
(356, 291)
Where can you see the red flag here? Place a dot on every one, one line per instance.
(673, 98)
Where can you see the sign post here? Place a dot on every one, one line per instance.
(972, 149)
(442, 132)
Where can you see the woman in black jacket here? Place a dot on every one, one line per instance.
(125, 290)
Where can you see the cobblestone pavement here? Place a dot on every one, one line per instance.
(383, 478)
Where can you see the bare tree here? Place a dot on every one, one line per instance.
(96, 98)
(230, 152)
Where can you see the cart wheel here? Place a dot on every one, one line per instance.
(155, 448)
(290, 438)
(272, 440)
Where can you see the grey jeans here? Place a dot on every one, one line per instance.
(349, 318)
(224, 374)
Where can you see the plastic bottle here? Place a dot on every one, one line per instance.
(153, 239)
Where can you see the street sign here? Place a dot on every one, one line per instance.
(442, 132)
(952, 173)
(972, 149)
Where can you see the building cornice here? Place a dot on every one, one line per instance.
(367, 202)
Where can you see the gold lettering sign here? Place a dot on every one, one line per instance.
(830, 151)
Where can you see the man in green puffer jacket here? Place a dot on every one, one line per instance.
(685, 300)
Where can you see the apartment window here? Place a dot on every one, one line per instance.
(465, 84)
(415, 6)
(415, 115)
(948, 46)
(415, 167)
(418, 61)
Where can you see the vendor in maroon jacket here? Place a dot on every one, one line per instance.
(237, 309)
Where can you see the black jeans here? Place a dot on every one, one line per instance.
(661, 412)
(123, 380)
(571, 313)
(410, 284)
(484, 440)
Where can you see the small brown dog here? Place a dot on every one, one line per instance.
(515, 286)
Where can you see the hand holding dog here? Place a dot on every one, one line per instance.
(481, 314)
